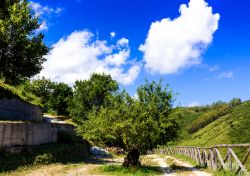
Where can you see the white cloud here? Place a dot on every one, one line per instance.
(112, 34)
(78, 56)
(175, 44)
(214, 68)
(122, 42)
(226, 75)
(44, 10)
(193, 104)
(43, 27)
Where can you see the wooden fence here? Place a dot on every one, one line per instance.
(213, 156)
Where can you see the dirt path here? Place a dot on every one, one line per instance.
(171, 166)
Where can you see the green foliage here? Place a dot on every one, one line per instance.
(223, 173)
(231, 128)
(7, 91)
(43, 159)
(91, 94)
(234, 102)
(60, 98)
(189, 115)
(238, 123)
(54, 96)
(138, 171)
(135, 124)
(207, 118)
(21, 48)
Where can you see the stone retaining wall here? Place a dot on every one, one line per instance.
(30, 133)
(15, 109)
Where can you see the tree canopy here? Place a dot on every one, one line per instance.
(90, 94)
(136, 125)
(54, 96)
(21, 47)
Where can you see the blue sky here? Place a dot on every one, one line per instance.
(202, 52)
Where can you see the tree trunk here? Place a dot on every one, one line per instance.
(132, 159)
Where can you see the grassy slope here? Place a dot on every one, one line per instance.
(231, 128)
(18, 92)
(189, 115)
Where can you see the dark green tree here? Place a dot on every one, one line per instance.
(137, 125)
(54, 96)
(42, 88)
(21, 47)
(89, 94)
(60, 98)
(234, 102)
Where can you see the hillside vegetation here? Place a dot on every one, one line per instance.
(230, 126)
(8, 91)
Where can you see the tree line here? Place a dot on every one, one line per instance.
(212, 113)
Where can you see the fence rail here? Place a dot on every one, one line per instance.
(213, 156)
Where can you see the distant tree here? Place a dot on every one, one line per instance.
(21, 48)
(89, 94)
(217, 104)
(42, 88)
(59, 101)
(136, 125)
(234, 102)
(54, 96)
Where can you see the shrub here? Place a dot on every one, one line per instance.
(43, 159)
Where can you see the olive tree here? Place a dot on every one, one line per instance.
(137, 125)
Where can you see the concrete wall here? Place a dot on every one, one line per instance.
(15, 109)
(29, 133)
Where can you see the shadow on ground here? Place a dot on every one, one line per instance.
(49, 154)
(176, 168)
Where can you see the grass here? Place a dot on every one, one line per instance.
(122, 171)
(231, 128)
(223, 173)
(56, 169)
(8, 91)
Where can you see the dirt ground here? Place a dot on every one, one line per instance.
(169, 166)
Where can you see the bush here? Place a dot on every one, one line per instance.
(43, 159)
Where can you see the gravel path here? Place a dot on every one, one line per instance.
(187, 169)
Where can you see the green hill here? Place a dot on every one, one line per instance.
(231, 127)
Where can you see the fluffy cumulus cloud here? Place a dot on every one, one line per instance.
(77, 56)
(175, 44)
